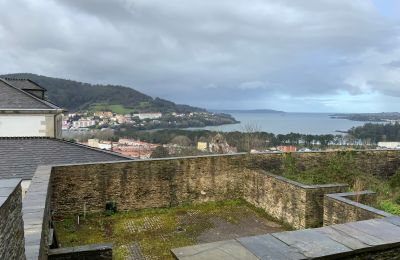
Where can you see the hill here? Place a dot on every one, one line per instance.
(75, 96)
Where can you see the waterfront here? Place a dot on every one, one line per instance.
(284, 123)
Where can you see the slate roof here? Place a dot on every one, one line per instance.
(14, 98)
(24, 84)
(20, 156)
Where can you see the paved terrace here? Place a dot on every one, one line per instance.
(335, 241)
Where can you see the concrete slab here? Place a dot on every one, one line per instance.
(223, 250)
(342, 238)
(269, 247)
(312, 243)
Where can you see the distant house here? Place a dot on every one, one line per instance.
(148, 115)
(202, 146)
(24, 111)
(389, 145)
(287, 148)
(83, 122)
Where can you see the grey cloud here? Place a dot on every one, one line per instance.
(208, 53)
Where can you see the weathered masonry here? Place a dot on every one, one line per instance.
(61, 190)
(11, 225)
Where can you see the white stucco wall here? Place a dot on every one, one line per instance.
(26, 125)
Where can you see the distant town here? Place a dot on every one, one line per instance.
(142, 121)
(155, 135)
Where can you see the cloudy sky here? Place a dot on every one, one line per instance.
(311, 55)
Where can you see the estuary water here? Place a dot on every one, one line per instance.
(284, 123)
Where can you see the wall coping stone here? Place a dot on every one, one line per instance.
(304, 186)
(7, 187)
(34, 211)
(343, 197)
(80, 249)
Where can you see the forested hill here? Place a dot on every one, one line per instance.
(74, 96)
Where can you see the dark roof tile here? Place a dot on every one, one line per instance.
(19, 157)
(12, 97)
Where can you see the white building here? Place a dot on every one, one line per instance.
(389, 145)
(25, 112)
(83, 123)
(148, 115)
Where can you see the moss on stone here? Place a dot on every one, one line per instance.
(156, 230)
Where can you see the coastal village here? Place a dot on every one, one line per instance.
(105, 122)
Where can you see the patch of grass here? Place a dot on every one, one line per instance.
(340, 168)
(390, 206)
(156, 230)
(119, 109)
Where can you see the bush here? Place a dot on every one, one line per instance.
(395, 180)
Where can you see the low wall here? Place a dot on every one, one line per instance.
(298, 205)
(347, 207)
(11, 224)
(95, 251)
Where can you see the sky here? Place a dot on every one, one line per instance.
(300, 56)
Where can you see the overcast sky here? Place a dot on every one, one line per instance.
(310, 55)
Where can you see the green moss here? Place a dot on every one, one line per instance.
(156, 230)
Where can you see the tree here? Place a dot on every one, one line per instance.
(181, 140)
(159, 152)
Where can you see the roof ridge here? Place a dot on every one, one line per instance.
(92, 148)
(30, 95)
(66, 142)
(24, 79)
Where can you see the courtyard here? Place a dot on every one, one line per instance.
(152, 233)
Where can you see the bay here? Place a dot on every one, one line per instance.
(284, 123)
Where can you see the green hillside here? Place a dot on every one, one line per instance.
(75, 96)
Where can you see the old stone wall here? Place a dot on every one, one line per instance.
(169, 182)
(145, 184)
(11, 224)
(349, 207)
(298, 205)
(383, 163)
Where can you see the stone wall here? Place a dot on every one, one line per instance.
(382, 163)
(298, 205)
(11, 224)
(169, 182)
(342, 208)
(145, 184)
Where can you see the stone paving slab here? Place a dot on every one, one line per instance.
(269, 247)
(388, 232)
(134, 252)
(357, 234)
(312, 243)
(333, 241)
(223, 250)
(392, 220)
(342, 238)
